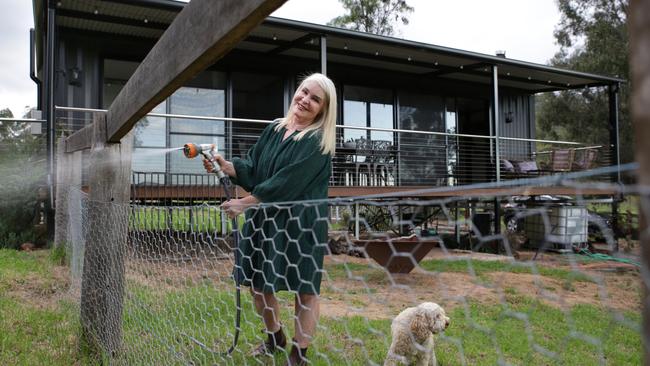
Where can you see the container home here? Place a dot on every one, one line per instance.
(411, 115)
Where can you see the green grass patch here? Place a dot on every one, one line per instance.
(520, 331)
(33, 332)
(526, 332)
(16, 264)
(195, 218)
(358, 272)
(193, 324)
(481, 267)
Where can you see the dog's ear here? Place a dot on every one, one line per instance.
(420, 327)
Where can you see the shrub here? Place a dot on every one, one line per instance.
(22, 174)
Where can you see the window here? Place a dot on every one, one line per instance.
(367, 107)
(203, 96)
(255, 96)
(423, 157)
(197, 102)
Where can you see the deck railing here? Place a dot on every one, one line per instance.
(378, 157)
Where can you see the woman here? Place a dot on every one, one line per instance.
(282, 246)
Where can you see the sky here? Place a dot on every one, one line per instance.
(523, 28)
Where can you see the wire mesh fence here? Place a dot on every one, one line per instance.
(552, 279)
(23, 182)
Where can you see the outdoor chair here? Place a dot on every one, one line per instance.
(561, 160)
(384, 167)
(364, 162)
(343, 169)
(515, 169)
(586, 159)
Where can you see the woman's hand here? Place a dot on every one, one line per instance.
(225, 165)
(235, 207)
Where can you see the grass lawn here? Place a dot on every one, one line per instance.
(37, 327)
(196, 218)
(176, 325)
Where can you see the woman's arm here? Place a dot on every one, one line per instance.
(235, 207)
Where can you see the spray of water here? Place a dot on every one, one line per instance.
(150, 152)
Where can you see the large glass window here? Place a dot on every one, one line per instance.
(255, 96)
(152, 131)
(197, 102)
(367, 107)
(203, 96)
(423, 157)
(451, 127)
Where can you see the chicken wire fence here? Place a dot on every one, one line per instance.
(555, 280)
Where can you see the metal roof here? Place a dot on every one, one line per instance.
(150, 18)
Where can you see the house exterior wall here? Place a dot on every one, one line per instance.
(517, 114)
(87, 53)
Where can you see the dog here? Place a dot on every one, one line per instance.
(412, 332)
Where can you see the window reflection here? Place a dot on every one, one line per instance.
(367, 107)
(197, 102)
(451, 125)
(203, 96)
(423, 157)
(255, 96)
(152, 131)
(355, 115)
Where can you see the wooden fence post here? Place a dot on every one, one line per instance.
(639, 30)
(107, 209)
(62, 187)
(75, 219)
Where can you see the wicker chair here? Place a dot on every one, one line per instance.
(561, 160)
(586, 159)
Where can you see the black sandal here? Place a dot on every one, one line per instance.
(297, 357)
(273, 343)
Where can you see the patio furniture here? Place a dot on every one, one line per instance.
(561, 160)
(585, 159)
(385, 168)
(343, 167)
(363, 160)
(514, 169)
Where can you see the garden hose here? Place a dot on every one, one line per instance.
(605, 257)
(190, 151)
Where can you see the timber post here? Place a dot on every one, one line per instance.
(102, 287)
(63, 176)
(639, 30)
(75, 219)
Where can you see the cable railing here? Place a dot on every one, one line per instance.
(398, 158)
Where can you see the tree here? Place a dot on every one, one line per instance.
(373, 16)
(22, 174)
(592, 35)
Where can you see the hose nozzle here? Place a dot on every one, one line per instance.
(193, 150)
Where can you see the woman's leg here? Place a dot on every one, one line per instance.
(307, 308)
(268, 308)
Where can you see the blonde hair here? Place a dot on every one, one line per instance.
(324, 121)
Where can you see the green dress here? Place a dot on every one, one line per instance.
(282, 245)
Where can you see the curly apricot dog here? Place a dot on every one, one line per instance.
(413, 331)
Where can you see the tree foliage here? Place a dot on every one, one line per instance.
(22, 176)
(592, 35)
(373, 16)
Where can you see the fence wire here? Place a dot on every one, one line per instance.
(556, 280)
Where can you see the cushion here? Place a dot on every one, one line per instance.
(526, 166)
(507, 166)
